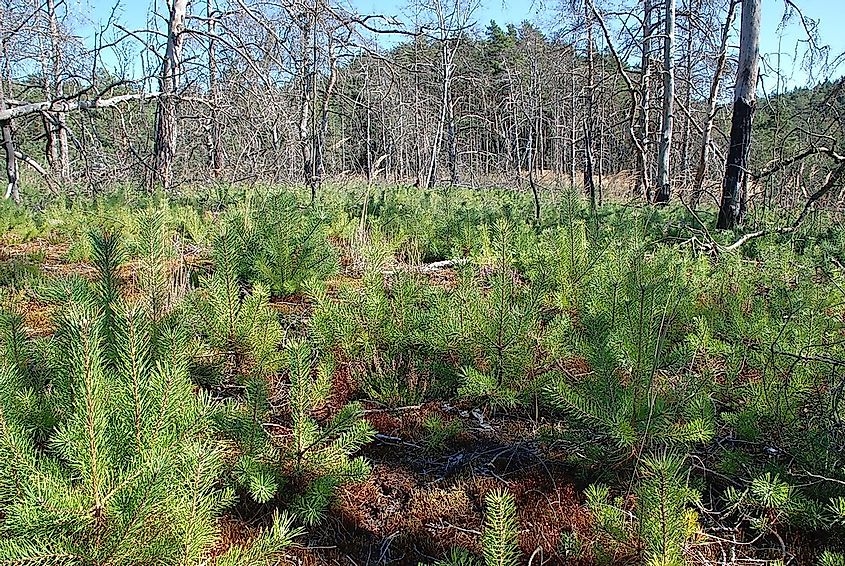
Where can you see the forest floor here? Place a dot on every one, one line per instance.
(423, 499)
(425, 494)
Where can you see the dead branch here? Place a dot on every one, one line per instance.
(832, 180)
(72, 105)
(38, 169)
(775, 167)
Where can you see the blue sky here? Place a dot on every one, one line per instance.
(830, 15)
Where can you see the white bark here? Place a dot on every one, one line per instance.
(71, 105)
(665, 152)
(749, 52)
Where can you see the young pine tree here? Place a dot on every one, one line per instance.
(501, 530)
(106, 453)
(321, 454)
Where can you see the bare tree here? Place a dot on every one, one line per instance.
(712, 100)
(589, 121)
(451, 22)
(305, 90)
(12, 189)
(214, 143)
(55, 126)
(643, 182)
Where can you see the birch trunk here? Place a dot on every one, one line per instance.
(664, 182)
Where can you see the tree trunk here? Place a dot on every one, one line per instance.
(732, 208)
(685, 143)
(589, 184)
(166, 129)
(12, 189)
(643, 185)
(452, 139)
(445, 109)
(307, 70)
(664, 182)
(573, 129)
(418, 154)
(323, 130)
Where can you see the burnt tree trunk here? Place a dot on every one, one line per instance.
(306, 95)
(589, 184)
(732, 207)
(12, 189)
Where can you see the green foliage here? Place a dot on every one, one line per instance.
(829, 558)
(623, 341)
(495, 324)
(114, 461)
(256, 468)
(193, 225)
(20, 272)
(665, 522)
(266, 549)
(501, 530)
(155, 251)
(281, 245)
(384, 331)
(609, 517)
(769, 502)
(239, 326)
(440, 430)
(661, 522)
(405, 216)
(321, 454)
(777, 331)
(632, 332)
(17, 223)
(458, 557)
(108, 255)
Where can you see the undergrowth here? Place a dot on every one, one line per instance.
(166, 386)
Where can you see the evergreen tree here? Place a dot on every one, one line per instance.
(123, 468)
